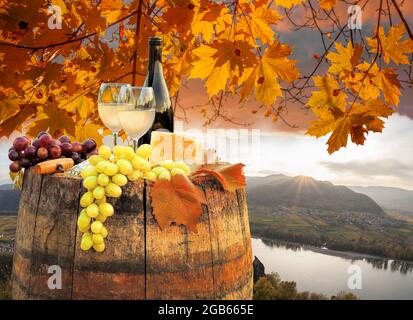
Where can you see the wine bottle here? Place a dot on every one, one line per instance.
(164, 116)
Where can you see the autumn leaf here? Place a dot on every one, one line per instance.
(177, 201)
(394, 49)
(288, 3)
(345, 59)
(230, 177)
(327, 4)
(273, 65)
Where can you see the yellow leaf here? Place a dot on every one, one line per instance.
(340, 134)
(345, 59)
(327, 4)
(260, 20)
(321, 127)
(394, 49)
(288, 3)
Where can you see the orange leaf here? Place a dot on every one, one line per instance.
(230, 176)
(179, 201)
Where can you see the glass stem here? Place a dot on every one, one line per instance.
(115, 138)
(135, 144)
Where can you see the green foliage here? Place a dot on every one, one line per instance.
(271, 287)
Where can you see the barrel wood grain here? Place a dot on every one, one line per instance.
(118, 272)
(141, 260)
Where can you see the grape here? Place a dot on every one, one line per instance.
(77, 147)
(88, 145)
(35, 161)
(182, 165)
(91, 153)
(95, 159)
(118, 151)
(42, 153)
(112, 190)
(86, 199)
(138, 163)
(35, 143)
(103, 180)
(128, 153)
(45, 140)
(92, 210)
(88, 171)
(83, 220)
(99, 247)
(76, 157)
(144, 151)
(165, 175)
(13, 155)
(41, 133)
(24, 163)
(55, 143)
(96, 226)
(146, 166)
(67, 148)
(124, 167)
(20, 143)
(105, 152)
(64, 139)
(84, 229)
(90, 182)
(101, 218)
(149, 176)
(158, 170)
(110, 169)
(14, 167)
(99, 201)
(55, 152)
(104, 232)
(30, 152)
(97, 239)
(168, 164)
(119, 179)
(100, 167)
(135, 175)
(87, 242)
(176, 171)
(99, 192)
(106, 209)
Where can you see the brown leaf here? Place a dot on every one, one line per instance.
(231, 177)
(179, 201)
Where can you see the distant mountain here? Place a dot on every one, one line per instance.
(306, 192)
(389, 198)
(9, 199)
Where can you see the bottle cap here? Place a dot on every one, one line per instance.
(155, 41)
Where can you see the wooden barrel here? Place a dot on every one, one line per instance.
(141, 261)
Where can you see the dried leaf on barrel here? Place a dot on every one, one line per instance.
(179, 201)
(230, 176)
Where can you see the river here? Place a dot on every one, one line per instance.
(328, 272)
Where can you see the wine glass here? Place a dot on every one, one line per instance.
(108, 106)
(137, 112)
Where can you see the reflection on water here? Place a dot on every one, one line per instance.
(327, 272)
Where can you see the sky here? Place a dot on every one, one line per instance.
(386, 159)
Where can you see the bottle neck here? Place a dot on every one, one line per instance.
(155, 55)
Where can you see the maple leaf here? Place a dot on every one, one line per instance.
(345, 59)
(259, 21)
(177, 201)
(327, 4)
(394, 49)
(230, 177)
(272, 66)
(15, 122)
(288, 3)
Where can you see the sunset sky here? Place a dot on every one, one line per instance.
(386, 159)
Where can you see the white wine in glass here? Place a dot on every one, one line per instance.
(137, 112)
(108, 106)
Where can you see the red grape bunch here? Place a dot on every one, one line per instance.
(26, 153)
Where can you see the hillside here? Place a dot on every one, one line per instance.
(306, 192)
(389, 198)
(9, 199)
